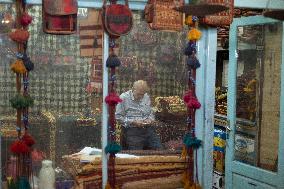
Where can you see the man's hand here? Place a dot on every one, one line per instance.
(142, 123)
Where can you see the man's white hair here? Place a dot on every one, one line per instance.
(141, 84)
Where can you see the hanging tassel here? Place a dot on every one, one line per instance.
(188, 21)
(190, 49)
(20, 101)
(194, 34)
(18, 67)
(26, 19)
(112, 61)
(112, 99)
(190, 141)
(23, 183)
(19, 147)
(191, 101)
(19, 35)
(193, 62)
(113, 148)
(28, 139)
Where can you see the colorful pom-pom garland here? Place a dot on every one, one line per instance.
(191, 143)
(18, 67)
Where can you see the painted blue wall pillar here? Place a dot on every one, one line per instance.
(205, 91)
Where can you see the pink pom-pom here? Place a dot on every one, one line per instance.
(26, 19)
(19, 147)
(191, 101)
(112, 99)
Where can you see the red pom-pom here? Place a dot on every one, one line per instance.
(19, 147)
(112, 99)
(28, 139)
(191, 101)
(26, 19)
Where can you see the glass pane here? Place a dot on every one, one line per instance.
(66, 116)
(258, 95)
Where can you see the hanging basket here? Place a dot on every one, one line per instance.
(203, 7)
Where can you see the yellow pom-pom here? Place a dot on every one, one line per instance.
(18, 67)
(108, 186)
(194, 34)
(188, 21)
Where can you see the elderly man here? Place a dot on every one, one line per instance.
(136, 117)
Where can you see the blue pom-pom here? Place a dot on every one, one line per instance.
(190, 49)
(112, 61)
(193, 62)
(28, 63)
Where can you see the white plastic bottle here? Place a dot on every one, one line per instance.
(47, 175)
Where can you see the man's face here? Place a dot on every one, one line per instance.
(138, 93)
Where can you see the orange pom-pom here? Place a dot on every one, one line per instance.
(194, 34)
(188, 21)
(19, 35)
(18, 67)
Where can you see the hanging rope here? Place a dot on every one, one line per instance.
(191, 143)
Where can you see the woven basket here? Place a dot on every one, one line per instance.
(223, 18)
(160, 15)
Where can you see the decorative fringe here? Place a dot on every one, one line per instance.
(18, 67)
(113, 61)
(190, 141)
(194, 34)
(19, 147)
(113, 148)
(112, 99)
(20, 101)
(19, 35)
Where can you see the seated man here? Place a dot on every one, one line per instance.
(136, 117)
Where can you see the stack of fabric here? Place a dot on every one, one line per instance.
(131, 171)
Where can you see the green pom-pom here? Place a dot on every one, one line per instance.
(190, 141)
(20, 101)
(113, 148)
(23, 183)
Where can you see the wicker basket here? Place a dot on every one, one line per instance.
(160, 15)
